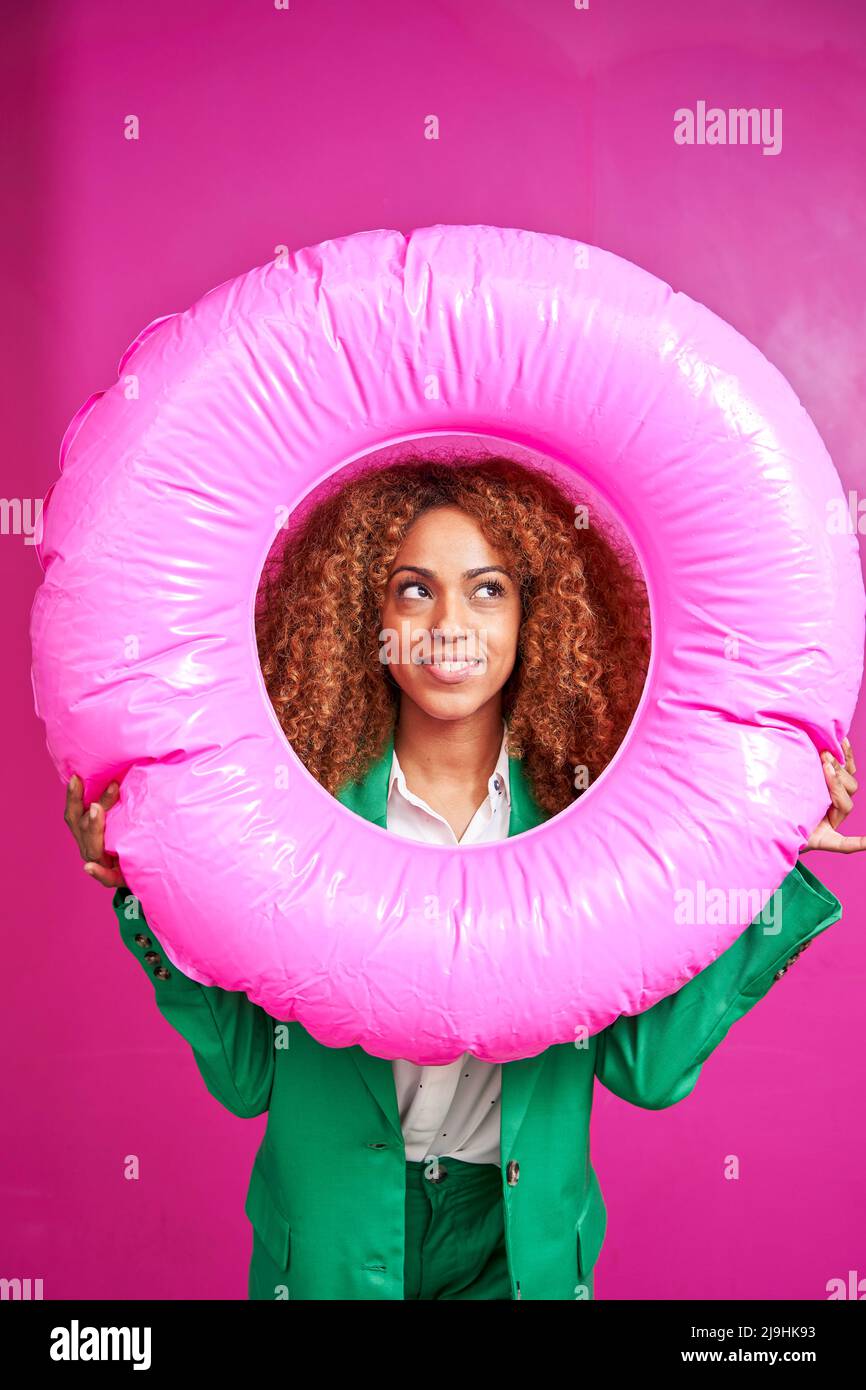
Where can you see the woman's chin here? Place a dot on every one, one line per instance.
(449, 701)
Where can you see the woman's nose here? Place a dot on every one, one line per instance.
(448, 616)
(452, 634)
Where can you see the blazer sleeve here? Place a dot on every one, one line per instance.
(653, 1059)
(232, 1039)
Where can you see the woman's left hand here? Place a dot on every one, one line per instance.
(842, 784)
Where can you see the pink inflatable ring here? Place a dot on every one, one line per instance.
(174, 484)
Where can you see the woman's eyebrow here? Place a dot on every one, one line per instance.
(467, 574)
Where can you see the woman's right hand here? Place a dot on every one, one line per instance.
(88, 827)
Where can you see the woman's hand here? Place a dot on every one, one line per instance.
(842, 784)
(88, 827)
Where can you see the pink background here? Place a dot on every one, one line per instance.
(262, 127)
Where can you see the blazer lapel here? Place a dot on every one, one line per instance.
(518, 1078)
(525, 811)
(369, 798)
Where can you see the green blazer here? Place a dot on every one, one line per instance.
(327, 1190)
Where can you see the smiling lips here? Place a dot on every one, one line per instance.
(452, 672)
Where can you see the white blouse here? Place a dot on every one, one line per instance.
(451, 1109)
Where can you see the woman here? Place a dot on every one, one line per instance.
(451, 655)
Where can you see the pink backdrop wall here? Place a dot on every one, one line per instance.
(260, 127)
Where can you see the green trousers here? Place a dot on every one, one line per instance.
(455, 1236)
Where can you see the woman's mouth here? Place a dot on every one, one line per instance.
(452, 672)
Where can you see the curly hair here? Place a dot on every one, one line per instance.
(584, 639)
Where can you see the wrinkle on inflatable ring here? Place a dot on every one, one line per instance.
(174, 483)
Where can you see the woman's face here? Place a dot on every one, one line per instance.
(451, 617)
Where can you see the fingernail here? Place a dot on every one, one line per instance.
(846, 743)
(94, 811)
(112, 788)
(88, 868)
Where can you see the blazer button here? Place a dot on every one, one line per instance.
(779, 973)
(152, 957)
(437, 1174)
(512, 1172)
(161, 973)
(142, 940)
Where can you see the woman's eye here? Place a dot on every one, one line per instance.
(494, 585)
(408, 584)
